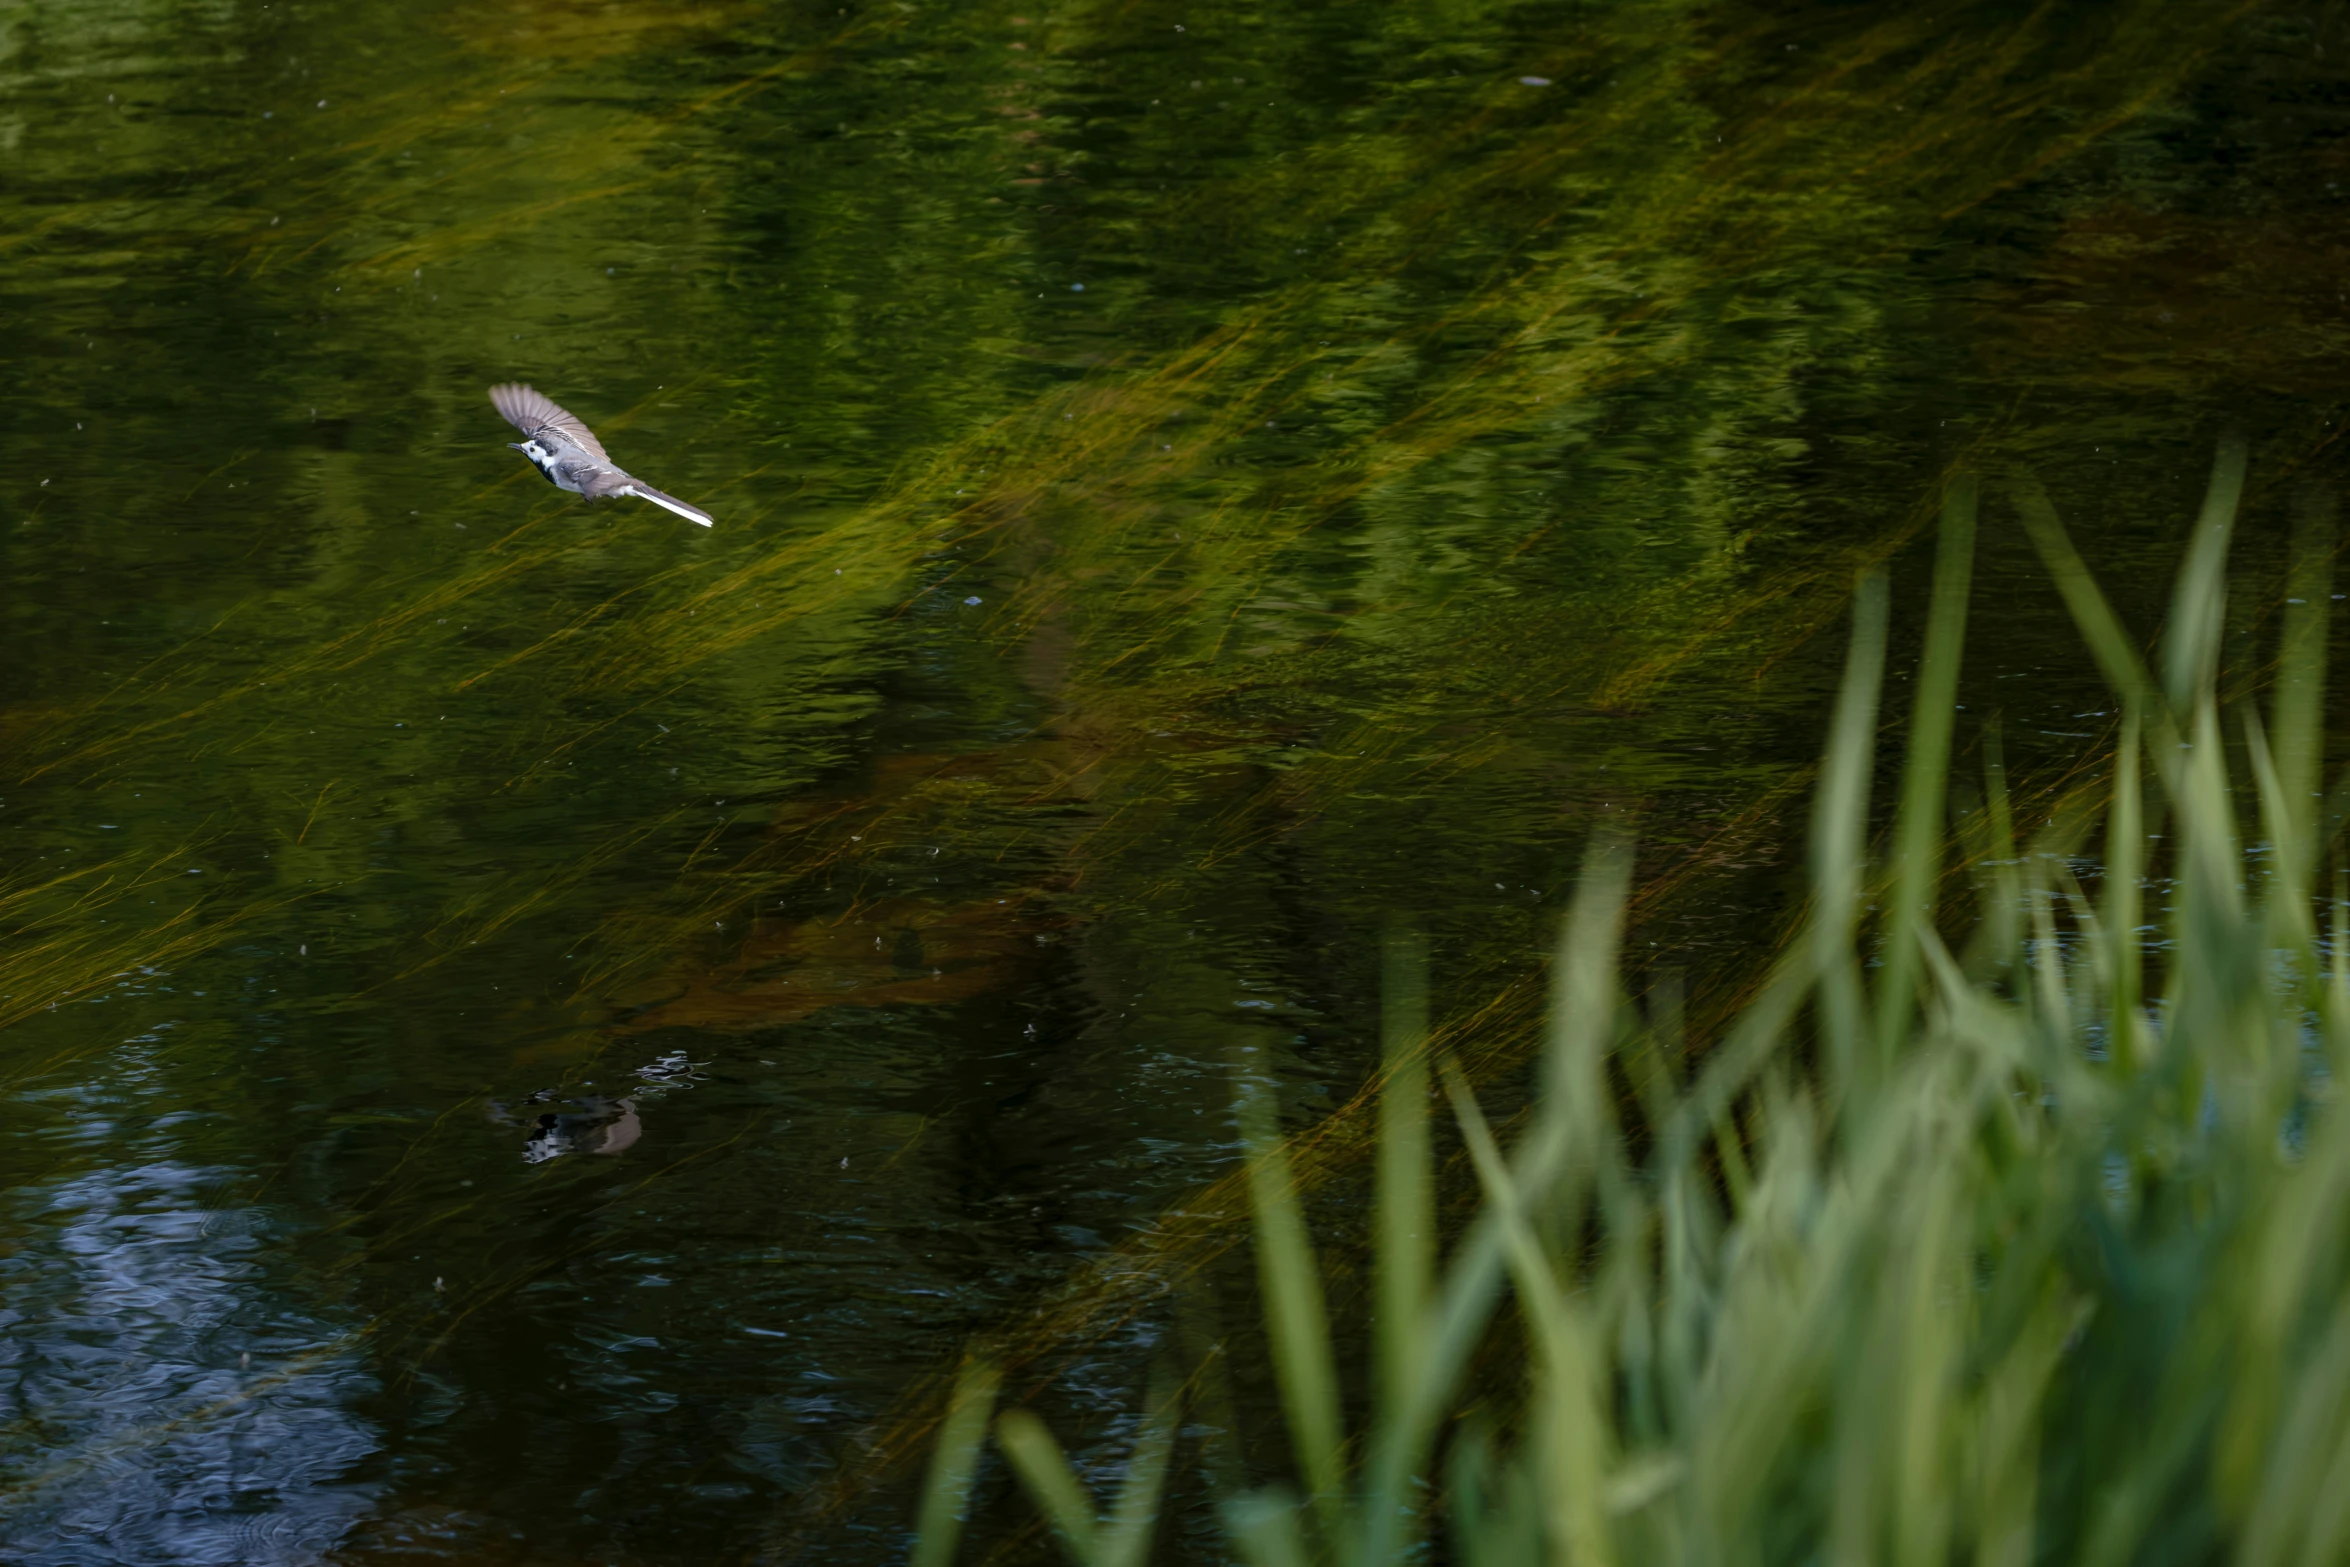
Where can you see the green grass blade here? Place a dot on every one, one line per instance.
(1583, 1013)
(1977, 1296)
(1584, 988)
(1265, 1526)
(1659, 1047)
(2211, 860)
(1296, 1318)
(2115, 651)
(1045, 1473)
(1839, 829)
(2191, 643)
(1486, 1530)
(2051, 995)
(2096, 952)
(1214, 1411)
(2292, 925)
(2299, 713)
(2297, 1260)
(1571, 1426)
(1406, 1199)
(2007, 1437)
(2125, 870)
(2302, 1517)
(1730, 1148)
(2337, 991)
(946, 1494)
(1998, 943)
(1400, 1442)
(1925, 771)
(1752, 1042)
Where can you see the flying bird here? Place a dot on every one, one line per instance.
(569, 454)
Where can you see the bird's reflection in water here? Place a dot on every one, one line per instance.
(596, 1123)
(598, 1126)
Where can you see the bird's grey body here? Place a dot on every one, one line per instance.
(568, 453)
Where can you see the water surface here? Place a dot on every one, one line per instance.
(534, 1031)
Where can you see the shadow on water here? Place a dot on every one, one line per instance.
(531, 1035)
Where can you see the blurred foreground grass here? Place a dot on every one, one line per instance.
(2023, 1247)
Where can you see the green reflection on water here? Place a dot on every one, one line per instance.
(1191, 482)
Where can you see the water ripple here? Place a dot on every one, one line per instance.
(161, 1407)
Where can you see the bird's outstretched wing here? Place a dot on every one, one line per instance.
(530, 410)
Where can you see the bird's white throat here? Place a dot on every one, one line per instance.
(544, 460)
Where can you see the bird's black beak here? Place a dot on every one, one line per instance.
(514, 446)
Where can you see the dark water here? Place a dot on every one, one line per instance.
(530, 1028)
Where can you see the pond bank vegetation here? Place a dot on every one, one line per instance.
(2011, 1242)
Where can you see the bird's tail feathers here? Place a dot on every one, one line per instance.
(645, 492)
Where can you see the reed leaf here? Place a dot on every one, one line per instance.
(947, 1493)
(1925, 769)
(1406, 1199)
(1296, 1319)
(1839, 828)
(2191, 645)
(2060, 1276)
(1045, 1473)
